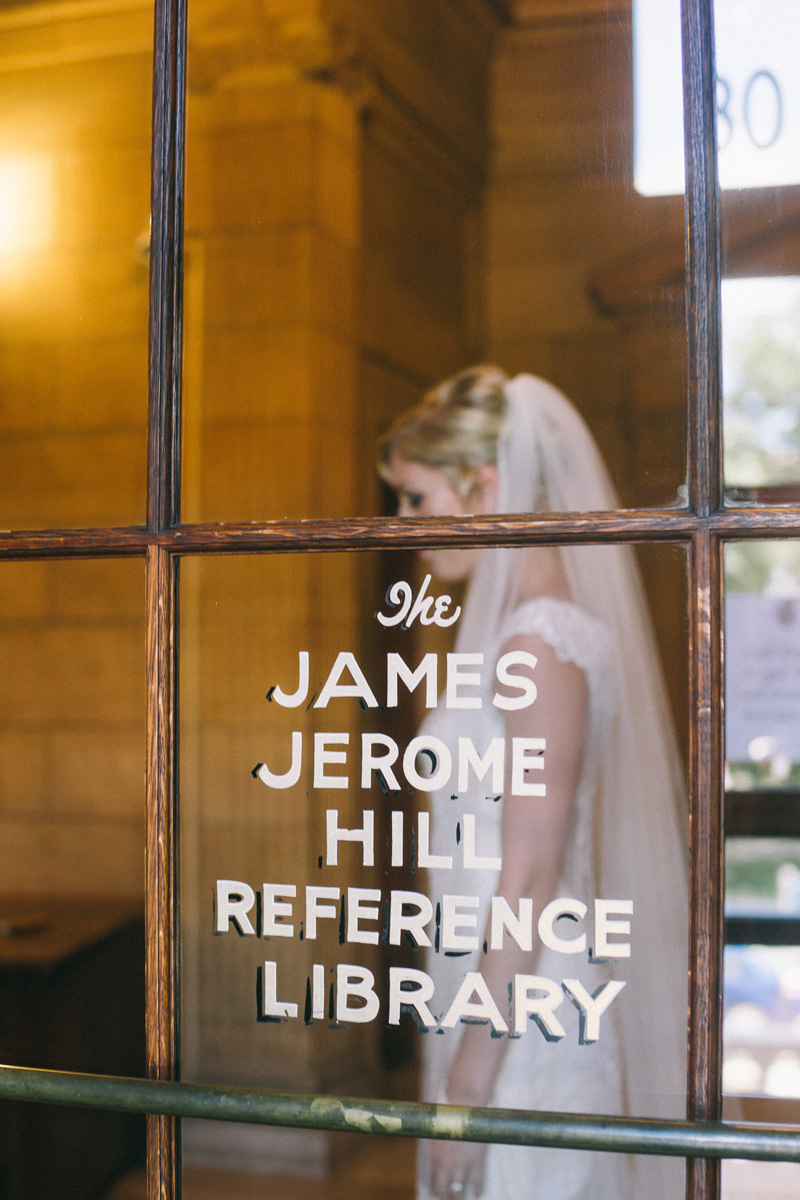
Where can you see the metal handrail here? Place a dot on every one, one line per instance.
(692, 1139)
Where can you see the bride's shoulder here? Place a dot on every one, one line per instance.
(574, 634)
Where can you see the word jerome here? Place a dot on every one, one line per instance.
(354, 999)
(379, 753)
(412, 913)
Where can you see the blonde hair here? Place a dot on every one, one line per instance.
(455, 429)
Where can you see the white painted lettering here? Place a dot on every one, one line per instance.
(234, 901)
(592, 1007)
(457, 679)
(396, 669)
(604, 926)
(324, 757)
(563, 907)
(409, 988)
(520, 927)
(332, 688)
(370, 761)
(527, 754)
(541, 1005)
(275, 908)
(520, 683)
(494, 760)
(334, 835)
(296, 698)
(358, 909)
(482, 1009)
(354, 982)
(271, 1005)
(412, 923)
(453, 919)
(316, 908)
(290, 777)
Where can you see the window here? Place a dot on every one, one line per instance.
(333, 265)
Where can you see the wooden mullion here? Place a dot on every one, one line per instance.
(375, 533)
(166, 265)
(163, 511)
(702, 258)
(161, 893)
(706, 796)
(643, 525)
(706, 493)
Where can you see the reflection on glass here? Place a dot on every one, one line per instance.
(375, 1167)
(481, 442)
(759, 133)
(761, 1030)
(75, 97)
(371, 791)
(72, 728)
(72, 755)
(761, 381)
(27, 204)
(762, 681)
(758, 125)
(762, 1021)
(373, 204)
(762, 876)
(742, 1180)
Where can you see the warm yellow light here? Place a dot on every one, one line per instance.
(26, 205)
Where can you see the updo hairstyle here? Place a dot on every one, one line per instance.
(454, 430)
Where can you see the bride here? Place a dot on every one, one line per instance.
(610, 826)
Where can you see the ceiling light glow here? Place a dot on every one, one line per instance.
(26, 205)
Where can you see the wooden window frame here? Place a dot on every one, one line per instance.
(702, 527)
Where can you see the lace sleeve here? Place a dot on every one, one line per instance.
(575, 636)
(580, 638)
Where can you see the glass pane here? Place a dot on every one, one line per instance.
(759, 132)
(761, 1023)
(402, 796)
(761, 384)
(761, 1031)
(742, 1180)
(762, 680)
(379, 1167)
(763, 876)
(71, 826)
(378, 201)
(75, 98)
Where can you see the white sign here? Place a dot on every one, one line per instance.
(762, 677)
(758, 94)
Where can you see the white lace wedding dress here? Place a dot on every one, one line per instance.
(535, 1073)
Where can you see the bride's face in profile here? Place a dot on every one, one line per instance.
(424, 491)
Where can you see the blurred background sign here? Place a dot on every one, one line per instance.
(763, 677)
(758, 95)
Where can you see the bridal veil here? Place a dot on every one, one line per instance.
(548, 462)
